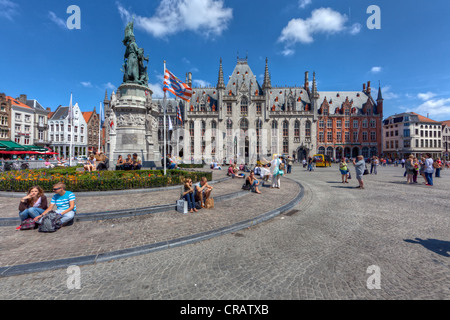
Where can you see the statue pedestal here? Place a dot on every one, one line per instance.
(134, 121)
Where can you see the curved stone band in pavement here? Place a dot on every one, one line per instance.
(124, 213)
(294, 192)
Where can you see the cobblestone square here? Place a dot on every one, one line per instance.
(322, 250)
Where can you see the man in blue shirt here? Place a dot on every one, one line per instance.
(63, 202)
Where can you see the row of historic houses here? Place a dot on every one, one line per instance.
(245, 122)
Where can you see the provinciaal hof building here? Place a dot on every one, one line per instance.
(244, 121)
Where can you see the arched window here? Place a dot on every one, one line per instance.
(244, 106)
(297, 129)
(322, 150)
(274, 137)
(191, 128)
(213, 128)
(285, 128)
(203, 128)
(308, 129)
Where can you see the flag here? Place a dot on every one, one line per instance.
(179, 115)
(174, 85)
(102, 116)
(70, 109)
(170, 124)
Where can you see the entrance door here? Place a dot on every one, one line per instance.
(301, 154)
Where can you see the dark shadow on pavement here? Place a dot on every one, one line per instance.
(344, 187)
(438, 246)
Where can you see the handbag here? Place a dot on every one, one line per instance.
(28, 224)
(349, 174)
(209, 203)
(182, 206)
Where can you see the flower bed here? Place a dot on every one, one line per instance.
(21, 181)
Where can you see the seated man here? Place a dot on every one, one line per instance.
(137, 162)
(100, 159)
(63, 203)
(253, 182)
(202, 191)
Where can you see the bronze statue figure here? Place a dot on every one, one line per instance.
(133, 67)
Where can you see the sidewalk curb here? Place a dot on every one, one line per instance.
(126, 213)
(149, 248)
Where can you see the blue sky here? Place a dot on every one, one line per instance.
(42, 58)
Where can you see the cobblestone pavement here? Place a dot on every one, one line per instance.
(95, 237)
(104, 202)
(322, 251)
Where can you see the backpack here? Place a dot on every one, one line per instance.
(28, 224)
(51, 222)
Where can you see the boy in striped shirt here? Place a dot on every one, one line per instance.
(63, 202)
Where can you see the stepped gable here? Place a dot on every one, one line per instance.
(289, 98)
(242, 78)
(336, 100)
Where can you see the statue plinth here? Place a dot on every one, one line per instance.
(135, 130)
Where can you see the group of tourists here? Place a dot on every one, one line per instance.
(35, 205)
(130, 163)
(425, 166)
(198, 193)
(360, 169)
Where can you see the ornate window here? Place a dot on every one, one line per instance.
(308, 129)
(244, 106)
(285, 129)
(191, 128)
(297, 129)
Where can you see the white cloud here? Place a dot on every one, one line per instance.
(375, 69)
(322, 21)
(206, 17)
(303, 3)
(110, 86)
(438, 109)
(426, 96)
(157, 89)
(58, 21)
(86, 84)
(355, 29)
(288, 52)
(8, 9)
(201, 83)
(387, 94)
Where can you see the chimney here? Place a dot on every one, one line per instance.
(190, 79)
(368, 87)
(48, 109)
(23, 98)
(364, 87)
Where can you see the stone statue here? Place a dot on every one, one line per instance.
(133, 66)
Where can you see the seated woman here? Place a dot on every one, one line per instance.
(120, 163)
(128, 164)
(188, 195)
(253, 182)
(33, 204)
(90, 164)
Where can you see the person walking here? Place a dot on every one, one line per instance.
(344, 170)
(429, 170)
(438, 166)
(360, 166)
(409, 166)
(416, 169)
(374, 165)
(289, 164)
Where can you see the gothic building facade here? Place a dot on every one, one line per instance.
(244, 121)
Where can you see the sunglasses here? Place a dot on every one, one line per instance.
(56, 189)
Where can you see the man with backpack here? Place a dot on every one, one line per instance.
(63, 203)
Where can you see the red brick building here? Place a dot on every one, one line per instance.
(350, 123)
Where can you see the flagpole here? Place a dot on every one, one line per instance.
(164, 107)
(99, 127)
(71, 130)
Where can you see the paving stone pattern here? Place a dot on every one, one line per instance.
(320, 252)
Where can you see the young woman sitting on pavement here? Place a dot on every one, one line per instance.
(33, 204)
(253, 182)
(188, 195)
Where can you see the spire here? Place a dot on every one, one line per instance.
(106, 95)
(380, 97)
(221, 83)
(267, 84)
(314, 87)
